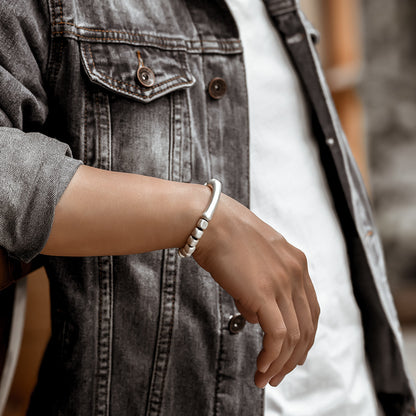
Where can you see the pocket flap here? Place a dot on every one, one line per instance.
(114, 66)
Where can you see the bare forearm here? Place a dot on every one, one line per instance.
(113, 213)
(103, 213)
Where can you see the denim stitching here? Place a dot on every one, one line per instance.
(219, 358)
(109, 141)
(262, 403)
(61, 13)
(98, 121)
(99, 333)
(171, 135)
(188, 178)
(236, 49)
(102, 75)
(53, 12)
(135, 34)
(243, 68)
(164, 335)
(85, 127)
(177, 138)
(103, 376)
(150, 95)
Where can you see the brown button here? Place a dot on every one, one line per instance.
(236, 323)
(217, 88)
(145, 76)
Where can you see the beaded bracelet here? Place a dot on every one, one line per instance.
(202, 224)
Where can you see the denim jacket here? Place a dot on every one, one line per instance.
(150, 334)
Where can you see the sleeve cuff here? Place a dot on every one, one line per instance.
(34, 173)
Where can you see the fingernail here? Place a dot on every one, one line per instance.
(276, 381)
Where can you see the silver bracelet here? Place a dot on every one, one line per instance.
(202, 224)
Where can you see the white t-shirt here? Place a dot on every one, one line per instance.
(289, 191)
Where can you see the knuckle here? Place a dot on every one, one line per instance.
(302, 258)
(298, 264)
(295, 268)
(277, 239)
(278, 333)
(285, 285)
(293, 338)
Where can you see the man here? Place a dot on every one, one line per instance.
(152, 96)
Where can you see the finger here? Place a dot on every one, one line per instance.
(303, 359)
(312, 298)
(261, 379)
(307, 325)
(248, 315)
(275, 381)
(289, 346)
(307, 331)
(274, 328)
(313, 305)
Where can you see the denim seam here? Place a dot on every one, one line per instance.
(53, 15)
(104, 340)
(104, 129)
(171, 134)
(262, 403)
(188, 169)
(165, 331)
(109, 133)
(61, 7)
(136, 34)
(126, 83)
(50, 45)
(183, 46)
(209, 158)
(57, 11)
(97, 109)
(219, 357)
(243, 67)
(105, 333)
(176, 138)
(85, 141)
(99, 74)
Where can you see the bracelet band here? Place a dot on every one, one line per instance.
(188, 249)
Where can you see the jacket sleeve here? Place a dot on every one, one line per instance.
(34, 169)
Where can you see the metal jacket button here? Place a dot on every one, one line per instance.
(217, 88)
(145, 76)
(236, 323)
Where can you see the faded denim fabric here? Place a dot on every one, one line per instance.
(148, 334)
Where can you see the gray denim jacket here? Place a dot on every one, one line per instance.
(149, 334)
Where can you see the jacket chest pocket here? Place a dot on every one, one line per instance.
(136, 109)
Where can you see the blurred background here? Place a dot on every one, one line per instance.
(369, 55)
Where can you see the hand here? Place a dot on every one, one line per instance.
(269, 281)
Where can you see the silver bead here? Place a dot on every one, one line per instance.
(202, 224)
(192, 242)
(197, 233)
(189, 250)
